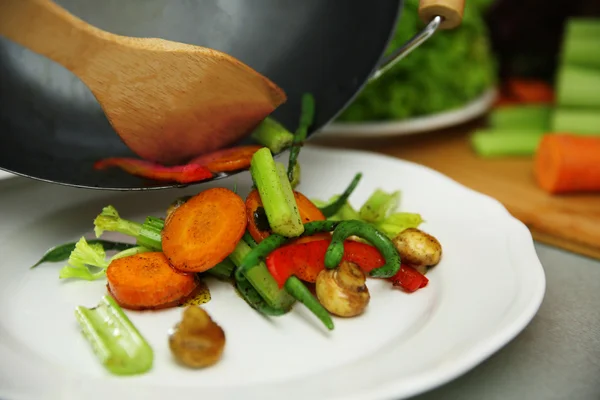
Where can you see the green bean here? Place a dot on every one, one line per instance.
(310, 228)
(296, 289)
(258, 254)
(264, 248)
(249, 240)
(334, 207)
(345, 229)
(307, 115)
(254, 299)
(63, 251)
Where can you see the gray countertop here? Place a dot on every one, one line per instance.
(557, 356)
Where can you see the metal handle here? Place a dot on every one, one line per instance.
(409, 46)
(441, 14)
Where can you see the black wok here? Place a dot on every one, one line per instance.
(52, 128)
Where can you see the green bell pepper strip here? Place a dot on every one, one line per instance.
(364, 230)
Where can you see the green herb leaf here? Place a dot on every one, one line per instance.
(63, 251)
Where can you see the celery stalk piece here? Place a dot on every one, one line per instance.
(147, 234)
(379, 205)
(582, 27)
(506, 143)
(222, 270)
(584, 52)
(397, 222)
(273, 135)
(262, 280)
(92, 254)
(582, 121)
(114, 339)
(110, 220)
(276, 194)
(526, 117)
(581, 46)
(578, 87)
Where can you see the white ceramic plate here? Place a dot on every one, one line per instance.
(411, 126)
(484, 292)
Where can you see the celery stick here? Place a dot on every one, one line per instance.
(578, 87)
(222, 270)
(583, 28)
(379, 205)
(397, 222)
(114, 339)
(521, 117)
(273, 135)
(276, 194)
(581, 46)
(147, 234)
(506, 143)
(581, 121)
(582, 52)
(262, 280)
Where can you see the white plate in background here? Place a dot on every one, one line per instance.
(412, 126)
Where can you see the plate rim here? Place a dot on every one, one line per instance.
(504, 335)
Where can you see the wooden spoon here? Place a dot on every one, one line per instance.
(167, 101)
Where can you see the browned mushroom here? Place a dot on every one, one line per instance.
(197, 341)
(342, 290)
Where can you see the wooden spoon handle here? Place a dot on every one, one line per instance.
(47, 29)
(451, 12)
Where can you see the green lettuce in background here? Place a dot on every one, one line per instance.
(450, 69)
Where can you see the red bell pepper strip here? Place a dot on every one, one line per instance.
(306, 260)
(409, 279)
(150, 170)
(226, 160)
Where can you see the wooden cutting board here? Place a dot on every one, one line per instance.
(570, 222)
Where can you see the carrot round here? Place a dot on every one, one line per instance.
(258, 226)
(568, 163)
(204, 230)
(225, 160)
(147, 281)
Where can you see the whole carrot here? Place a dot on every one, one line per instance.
(568, 163)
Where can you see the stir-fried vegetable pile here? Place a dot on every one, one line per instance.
(277, 248)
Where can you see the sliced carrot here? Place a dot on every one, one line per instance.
(258, 226)
(225, 160)
(204, 230)
(568, 163)
(524, 91)
(147, 281)
(150, 170)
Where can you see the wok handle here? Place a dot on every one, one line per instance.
(440, 14)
